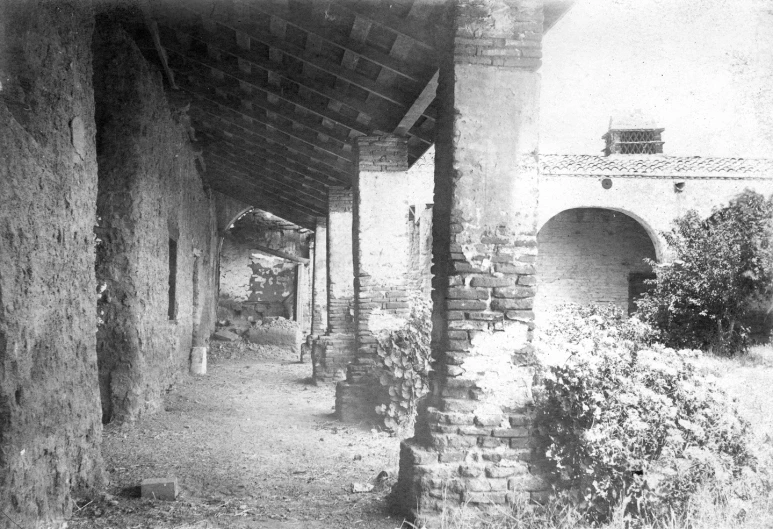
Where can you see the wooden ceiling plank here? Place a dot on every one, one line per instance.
(245, 30)
(204, 88)
(261, 178)
(312, 198)
(380, 117)
(334, 117)
(310, 141)
(383, 60)
(297, 172)
(245, 149)
(249, 161)
(237, 129)
(268, 193)
(408, 27)
(257, 153)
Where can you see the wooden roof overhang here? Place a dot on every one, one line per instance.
(279, 89)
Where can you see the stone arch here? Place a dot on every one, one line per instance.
(593, 255)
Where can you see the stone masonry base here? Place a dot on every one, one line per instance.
(467, 461)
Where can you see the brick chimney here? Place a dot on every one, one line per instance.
(633, 135)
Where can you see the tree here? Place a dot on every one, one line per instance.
(722, 267)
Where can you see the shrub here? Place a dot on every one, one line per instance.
(626, 423)
(404, 368)
(722, 265)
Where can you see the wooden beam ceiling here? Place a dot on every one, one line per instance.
(279, 90)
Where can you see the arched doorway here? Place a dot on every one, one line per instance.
(592, 255)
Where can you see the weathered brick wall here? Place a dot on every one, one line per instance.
(50, 427)
(150, 192)
(586, 256)
(473, 442)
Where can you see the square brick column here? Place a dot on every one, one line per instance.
(319, 282)
(473, 441)
(381, 266)
(336, 349)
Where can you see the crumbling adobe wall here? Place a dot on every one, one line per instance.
(150, 192)
(50, 427)
(253, 281)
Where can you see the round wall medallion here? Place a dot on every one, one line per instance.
(606, 183)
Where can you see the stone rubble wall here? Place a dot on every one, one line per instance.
(150, 192)
(50, 421)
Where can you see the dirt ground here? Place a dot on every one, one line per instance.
(252, 444)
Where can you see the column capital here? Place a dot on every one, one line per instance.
(382, 153)
(504, 33)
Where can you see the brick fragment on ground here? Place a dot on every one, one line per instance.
(160, 489)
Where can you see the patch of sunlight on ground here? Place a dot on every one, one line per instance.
(749, 379)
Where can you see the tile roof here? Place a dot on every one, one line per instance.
(655, 166)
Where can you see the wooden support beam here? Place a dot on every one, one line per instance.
(279, 253)
(419, 106)
(153, 28)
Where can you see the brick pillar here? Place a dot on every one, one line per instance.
(473, 442)
(319, 288)
(381, 266)
(336, 349)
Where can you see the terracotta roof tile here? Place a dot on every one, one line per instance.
(654, 165)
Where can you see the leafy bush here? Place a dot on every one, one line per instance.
(622, 422)
(405, 364)
(722, 265)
